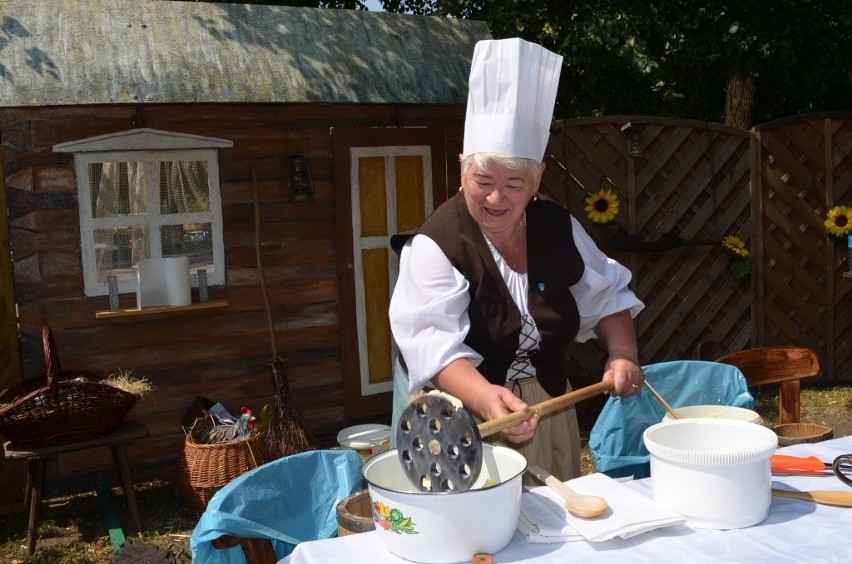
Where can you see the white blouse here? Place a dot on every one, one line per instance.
(428, 309)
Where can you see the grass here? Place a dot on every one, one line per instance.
(72, 529)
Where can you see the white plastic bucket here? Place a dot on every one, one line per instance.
(367, 439)
(714, 472)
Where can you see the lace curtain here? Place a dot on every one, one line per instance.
(119, 189)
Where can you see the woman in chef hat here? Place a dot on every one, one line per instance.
(496, 283)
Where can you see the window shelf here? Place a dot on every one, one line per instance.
(128, 312)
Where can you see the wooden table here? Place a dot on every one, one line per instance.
(37, 457)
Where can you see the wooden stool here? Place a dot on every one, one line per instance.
(37, 457)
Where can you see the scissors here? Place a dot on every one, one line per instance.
(787, 464)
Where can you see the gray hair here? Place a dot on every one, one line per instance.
(484, 161)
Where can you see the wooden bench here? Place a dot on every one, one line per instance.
(37, 457)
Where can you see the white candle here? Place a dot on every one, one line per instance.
(177, 281)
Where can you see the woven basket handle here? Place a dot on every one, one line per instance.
(51, 357)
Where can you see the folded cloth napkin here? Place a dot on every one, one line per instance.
(544, 517)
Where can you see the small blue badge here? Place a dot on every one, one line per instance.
(541, 286)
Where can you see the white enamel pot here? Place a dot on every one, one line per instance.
(452, 526)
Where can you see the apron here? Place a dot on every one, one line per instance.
(556, 443)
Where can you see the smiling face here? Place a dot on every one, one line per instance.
(497, 190)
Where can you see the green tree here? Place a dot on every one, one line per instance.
(719, 60)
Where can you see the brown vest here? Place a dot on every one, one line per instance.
(554, 265)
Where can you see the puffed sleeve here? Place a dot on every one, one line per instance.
(603, 289)
(428, 312)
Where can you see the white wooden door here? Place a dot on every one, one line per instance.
(391, 192)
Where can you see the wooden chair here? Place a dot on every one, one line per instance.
(784, 365)
(256, 551)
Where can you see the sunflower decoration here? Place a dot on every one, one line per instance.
(838, 222)
(602, 206)
(735, 245)
(739, 266)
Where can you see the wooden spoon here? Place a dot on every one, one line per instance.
(576, 504)
(440, 445)
(672, 413)
(827, 497)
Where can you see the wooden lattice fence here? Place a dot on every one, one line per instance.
(804, 168)
(691, 184)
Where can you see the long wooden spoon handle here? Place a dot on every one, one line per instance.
(826, 497)
(672, 413)
(496, 425)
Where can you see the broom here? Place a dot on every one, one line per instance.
(287, 433)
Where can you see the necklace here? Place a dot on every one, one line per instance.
(514, 262)
(517, 248)
(518, 242)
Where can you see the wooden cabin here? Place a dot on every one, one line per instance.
(136, 129)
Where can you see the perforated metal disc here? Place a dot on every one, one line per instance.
(439, 445)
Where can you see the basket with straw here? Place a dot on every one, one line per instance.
(203, 469)
(66, 406)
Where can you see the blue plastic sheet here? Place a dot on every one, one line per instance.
(288, 500)
(616, 440)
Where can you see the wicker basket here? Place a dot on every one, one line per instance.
(203, 469)
(62, 407)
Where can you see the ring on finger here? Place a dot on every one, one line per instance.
(634, 386)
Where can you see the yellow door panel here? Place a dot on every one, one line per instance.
(377, 298)
(373, 198)
(410, 193)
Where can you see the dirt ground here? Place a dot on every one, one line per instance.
(826, 406)
(72, 529)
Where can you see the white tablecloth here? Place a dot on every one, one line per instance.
(795, 532)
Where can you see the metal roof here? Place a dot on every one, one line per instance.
(69, 52)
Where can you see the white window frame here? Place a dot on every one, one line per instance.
(150, 147)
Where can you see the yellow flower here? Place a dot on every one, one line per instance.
(382, 509)
(839, 222)
(602, 206)
(735, 245)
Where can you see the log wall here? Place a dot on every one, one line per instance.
(223, 353)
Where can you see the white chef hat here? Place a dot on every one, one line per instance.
(510, 98)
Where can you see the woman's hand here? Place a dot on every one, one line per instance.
(486, 400)
(626, 374)
(497, 401)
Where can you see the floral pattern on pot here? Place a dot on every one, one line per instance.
(392, 519)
